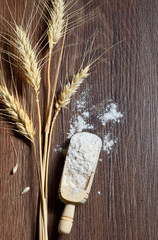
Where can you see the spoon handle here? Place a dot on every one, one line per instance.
(66, 220)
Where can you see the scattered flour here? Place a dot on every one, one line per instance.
(78, 126)
(108, 143)
(110, 114)
(83, 115)
(82, 156)
(58, 148)
(81, 104)
(79, 122)
(84, 148)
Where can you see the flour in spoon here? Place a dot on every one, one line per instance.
(81, 160)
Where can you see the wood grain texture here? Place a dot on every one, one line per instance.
(127, 207)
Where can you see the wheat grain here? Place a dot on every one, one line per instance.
(70, 88)
(17, 114)
(56, 22)
(28, 58)
(25, 190)
(15, 168)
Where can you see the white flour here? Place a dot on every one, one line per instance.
(81, 159)
(81, 104)
(83, 114)
(108, 143)
(78, 126)
(84, 148)
(58, 149)
(79, 122)
(110, 114)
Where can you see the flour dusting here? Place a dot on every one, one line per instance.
(58, 149)
(110, 114)
(84, 147)
(81, 104)
(108, 143)
(85, 114)
(80, 120)
(78, 126)
(89, 118)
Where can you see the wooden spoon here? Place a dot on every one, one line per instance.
(66, 192)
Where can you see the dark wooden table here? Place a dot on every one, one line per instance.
(127, 207)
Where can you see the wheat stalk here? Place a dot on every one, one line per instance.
(56, 22)
(70, 88)
(63, 100)
(31, 69)
(32, 74)
(28, 58)
(55, 31)
(17, 114)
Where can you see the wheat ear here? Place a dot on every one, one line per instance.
(70, 88)
(28, 58)
(33, 77)
(32, 72)
(63, 100)
(55, 31)
(17, 114)
(56, 22)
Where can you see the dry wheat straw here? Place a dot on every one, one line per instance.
(55, 31)
(56, 22)
(32, 73)
(33, 77)
(70, 88)
(64, 99)
(28, 58)
(17, 114)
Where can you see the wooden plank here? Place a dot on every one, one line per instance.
(127, 177)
